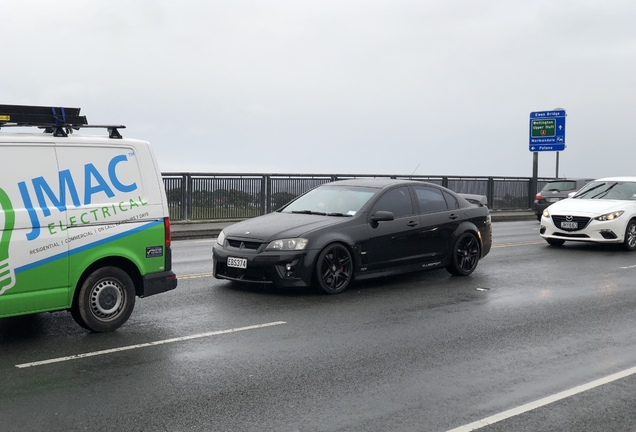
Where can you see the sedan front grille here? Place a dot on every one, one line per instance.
(581, 222)
(243, 244)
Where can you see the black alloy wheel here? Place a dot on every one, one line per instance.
(334, 269)
(465, 255)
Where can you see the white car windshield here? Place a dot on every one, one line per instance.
(614, 190)
(331, 201)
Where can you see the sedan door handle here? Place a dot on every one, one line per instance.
(453, 216)
(412, 224)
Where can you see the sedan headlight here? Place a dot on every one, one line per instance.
(221, 238)
(287, 244)
(546, 214)
(610, 216)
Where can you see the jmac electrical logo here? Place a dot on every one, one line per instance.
(94, 183)
(7, 222)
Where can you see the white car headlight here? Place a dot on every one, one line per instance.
(221, 238)
(287, 244)
(546, 214)
(610, 216)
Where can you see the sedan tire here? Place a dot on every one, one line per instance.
(630, 236)
(555, 242)
(334, 269)
(465, 255)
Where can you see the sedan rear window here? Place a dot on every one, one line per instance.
(563, 185)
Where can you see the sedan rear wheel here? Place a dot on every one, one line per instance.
(334, 269)
(630, 236)
(465, 256)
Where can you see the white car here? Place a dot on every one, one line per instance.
(604, 211)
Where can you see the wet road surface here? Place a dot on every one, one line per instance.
(420, 352)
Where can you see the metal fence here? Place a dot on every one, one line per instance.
(200, 196)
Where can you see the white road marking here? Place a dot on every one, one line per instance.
(628, 267)
(148, 344)
(495, 246)
(544, 401)
(194, 276)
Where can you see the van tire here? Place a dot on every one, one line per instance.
(105, 300)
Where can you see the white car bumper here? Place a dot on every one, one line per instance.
(612, 231)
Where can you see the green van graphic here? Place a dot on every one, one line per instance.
(7, 276)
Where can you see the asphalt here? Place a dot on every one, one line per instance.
(182, 230)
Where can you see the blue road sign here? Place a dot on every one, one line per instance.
(547, 131)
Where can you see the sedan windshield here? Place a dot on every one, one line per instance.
(331, 201)
(608, 190)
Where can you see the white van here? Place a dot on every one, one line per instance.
(84, 223)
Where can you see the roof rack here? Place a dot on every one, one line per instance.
(60, 121)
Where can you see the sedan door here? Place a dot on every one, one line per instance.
(439, 219)
(392, 243)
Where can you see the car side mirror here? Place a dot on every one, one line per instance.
(382, 216)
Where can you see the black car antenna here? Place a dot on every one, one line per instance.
(418, 165)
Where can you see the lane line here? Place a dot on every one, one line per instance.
(544, 401)
(628, 267)
(495, 246)
(148, 344)
(194, 276)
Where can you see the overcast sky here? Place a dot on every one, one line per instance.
(437, 87)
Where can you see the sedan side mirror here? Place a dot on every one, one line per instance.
(382, 216)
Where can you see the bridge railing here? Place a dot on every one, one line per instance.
(205, 196)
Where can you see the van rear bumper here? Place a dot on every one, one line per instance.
(157, 283)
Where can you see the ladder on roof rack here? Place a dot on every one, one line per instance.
(57, 120)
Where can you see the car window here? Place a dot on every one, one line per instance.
(452, 202)
(608, 190)
(430, 199)
(331, 200)
(397, 201)
(561, 185)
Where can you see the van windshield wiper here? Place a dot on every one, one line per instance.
(339, 214)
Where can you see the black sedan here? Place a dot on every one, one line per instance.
(356, 229)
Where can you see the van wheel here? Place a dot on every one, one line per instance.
(334, 269)
(105, 300)
(465, 255)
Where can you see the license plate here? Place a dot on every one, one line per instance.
(569, 225)
(237, 262)
(553, 199)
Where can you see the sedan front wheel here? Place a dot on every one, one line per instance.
(630, 236)
(334, 269)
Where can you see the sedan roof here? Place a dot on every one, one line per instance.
(373, 182)
(623, 179)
